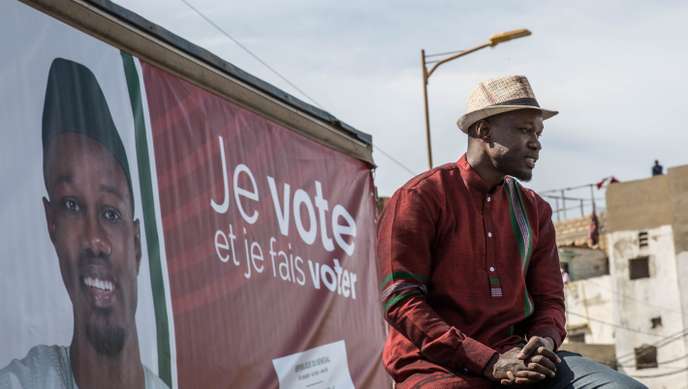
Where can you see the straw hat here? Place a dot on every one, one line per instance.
(499, 95)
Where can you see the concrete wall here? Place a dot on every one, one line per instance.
(649, 203)
(642, 299)
(584, 262)
(678, 187)
(658, 205)
(637, 205)
(588, 304)
(602, 353)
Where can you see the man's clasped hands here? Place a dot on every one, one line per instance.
(528, 365)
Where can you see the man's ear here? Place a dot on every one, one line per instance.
(137, 244)
(483, 131)
(49, 218)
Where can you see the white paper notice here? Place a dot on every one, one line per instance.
(322, 367)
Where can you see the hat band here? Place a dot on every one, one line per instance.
(521, 101)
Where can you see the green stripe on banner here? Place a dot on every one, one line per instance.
(494, 281)
(152, 240)
(401, 275)
(399, 298)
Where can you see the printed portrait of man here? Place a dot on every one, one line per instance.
(89, 212)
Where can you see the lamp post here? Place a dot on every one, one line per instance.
(493, 41)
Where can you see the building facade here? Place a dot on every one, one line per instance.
(647, 246)
(588, 290)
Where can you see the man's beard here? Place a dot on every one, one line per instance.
(523, 176)
(106, 338)
(506, 166)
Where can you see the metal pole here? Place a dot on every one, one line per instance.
(563, 202)
(428, 141)
(556, 201)
(582, 208)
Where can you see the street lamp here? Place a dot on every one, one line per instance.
(493, 41)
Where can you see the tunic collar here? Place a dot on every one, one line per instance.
(472, 179)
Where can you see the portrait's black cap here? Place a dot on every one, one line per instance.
(74, 103)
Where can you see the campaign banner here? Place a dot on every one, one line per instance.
(155, 234)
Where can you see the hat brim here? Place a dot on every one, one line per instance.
(467, 120)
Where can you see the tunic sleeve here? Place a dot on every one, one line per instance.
(406, 233)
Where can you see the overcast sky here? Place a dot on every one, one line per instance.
(616, 71)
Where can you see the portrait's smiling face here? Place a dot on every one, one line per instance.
(91, 224)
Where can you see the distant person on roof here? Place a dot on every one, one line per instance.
(657, 169)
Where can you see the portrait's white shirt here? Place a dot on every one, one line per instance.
(48, 367)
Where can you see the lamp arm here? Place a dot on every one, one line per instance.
(453, 57)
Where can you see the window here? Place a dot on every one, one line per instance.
(642, 239)
(639, 267)
(656, 321)
(576, 333)
(576, 338)
(645, 357)
(603, 268)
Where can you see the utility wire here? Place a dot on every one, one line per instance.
(630, 356)
(660, 343)
(664, 338)
(401, 165)
(661, 374)
(251, 53)
(627, 297)
(445, 53)
(568, 189)
(660, 363)
(558, 197)
(293, 85)
(613, 324)
(684, 356)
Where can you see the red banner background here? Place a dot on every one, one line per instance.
(231, 322)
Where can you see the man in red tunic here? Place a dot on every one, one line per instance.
(471, 284)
